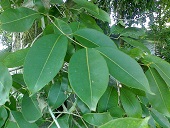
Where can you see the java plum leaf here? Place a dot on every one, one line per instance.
(57, 94)
(16, 59)
(136, 44)
(161, 90)
(97, 119)
(130, 103)
(3, 116)
(160, 118)
(108, 100)
(160, 65)
(87, 80)
(92, 38)
(44, 60)
(127, 122)
(5, 84)
(18, 20)
(125, 69)
(5, 4)
(30, 105)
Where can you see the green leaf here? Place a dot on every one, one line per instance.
(18, 78)
(5, 4)
(62, 26)
(161, 90)
(82, 106)
(116, 111)
(88, 81)
(130, 103)
(133, 32)
(16, 59)
(5, 84)
(136, 44)
(44, 61)
(108, 100)
(116, 29)
(160, 119)
(3, 55)
(76, 26)
(3, 116)
(125, 69)
(30, 105)
(57, 94)
(18, 20)
(18, 121)
(57, 1)
(160, 65)
(92, 38)
(128, 122)
(97, 119)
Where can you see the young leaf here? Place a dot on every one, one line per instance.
(89, 76)
(18, 20)
(130, 103)
(30, 105)
(97, 119)
(128, 122)
(5, 84)
(136, 44)
(19, 122)
(44, 61)
(92, 38)
(3, 116)
(57, 94)
(108, 100)
(161, 90)
(15, 59)
(160, 118)
(160, 65)
(125, 69)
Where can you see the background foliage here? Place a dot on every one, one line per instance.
(65, 67)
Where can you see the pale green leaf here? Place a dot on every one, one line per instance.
(30, 105)
(88, 75)
(130, 103)
(136, 44)
(108, 100)
(44, 61)
(160, 118)
(18, 20)
(3, 116)
(92, 38)
(161, 91)
(125, 69)
(97, 119)
(57, 94)
(128, 122)
(15, 59)
(5, 84)
(160, 65)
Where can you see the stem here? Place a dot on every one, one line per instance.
(52, 115)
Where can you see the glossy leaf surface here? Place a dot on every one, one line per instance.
(125, 69)
(44, 61)
(18, 20)
(88, 81)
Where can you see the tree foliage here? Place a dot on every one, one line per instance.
(73, 74)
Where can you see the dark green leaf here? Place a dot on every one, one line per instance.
(161, 90)
(88, 81)
(44, 61)
(30, 105)
(125, 69)
(136, 44)
(116, 29)
(82, 106)
(3, 116)
(16, 59)
(18, 20)
(58, 93)
(18, 78)
(130, 103)
(92, 38)
(5, 84)
(128, 122)
(5, 4)
(160, 118)
(116, 111)
(97, 119)
(57, 1)
(108, 100)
